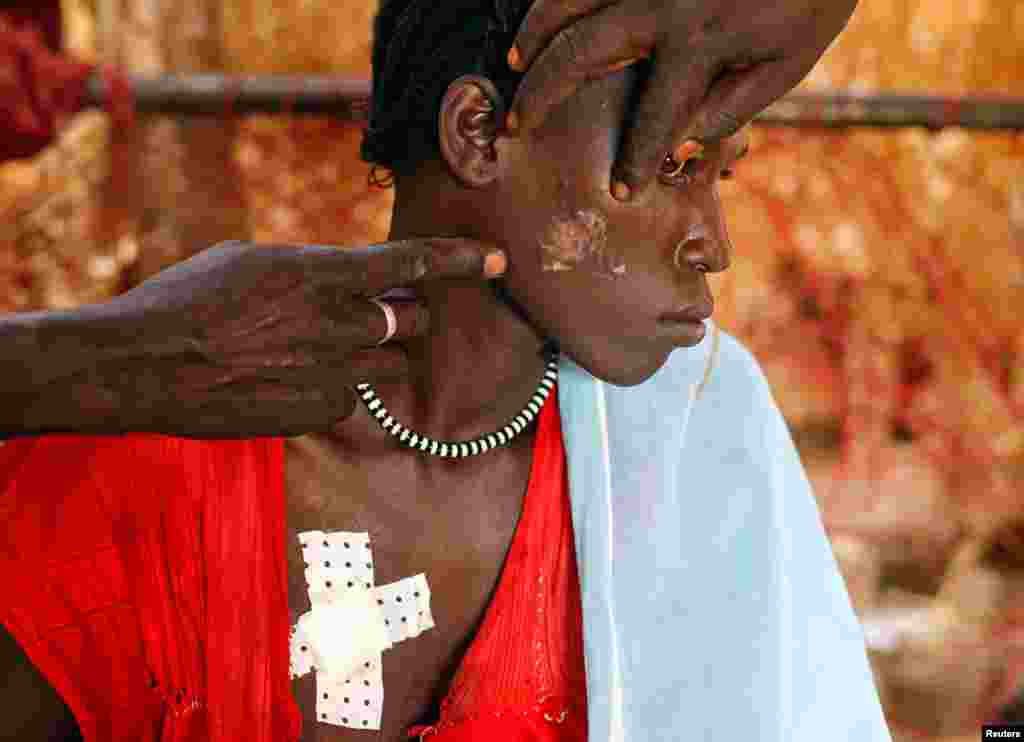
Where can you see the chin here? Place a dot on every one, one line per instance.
(621, 369)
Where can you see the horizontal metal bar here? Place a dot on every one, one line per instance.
(349, 99)
(886, 110)
(215, 95)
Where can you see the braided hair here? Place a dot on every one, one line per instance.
(419, 48)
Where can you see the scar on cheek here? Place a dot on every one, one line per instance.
(580, 241)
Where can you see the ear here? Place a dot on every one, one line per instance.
(472, 112)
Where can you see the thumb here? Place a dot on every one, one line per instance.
(736, 97)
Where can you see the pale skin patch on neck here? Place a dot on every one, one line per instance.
(580, 241)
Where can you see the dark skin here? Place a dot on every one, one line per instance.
(480, 360)
(716, 64)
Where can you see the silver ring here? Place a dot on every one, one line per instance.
(389, 314)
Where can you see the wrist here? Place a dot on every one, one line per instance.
(50, 362)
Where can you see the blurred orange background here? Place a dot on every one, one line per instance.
(878, 276)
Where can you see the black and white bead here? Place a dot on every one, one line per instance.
(462, 449)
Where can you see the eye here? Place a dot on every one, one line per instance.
(671, 172)
(726, 174)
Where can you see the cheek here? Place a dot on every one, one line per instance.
(579, 241)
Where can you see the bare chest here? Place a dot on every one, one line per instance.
(455, 529)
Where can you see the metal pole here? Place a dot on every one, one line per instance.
(348, 99)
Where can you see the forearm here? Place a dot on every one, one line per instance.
(48, 364)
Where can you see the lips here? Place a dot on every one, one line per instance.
(694, 313)
(681, 333)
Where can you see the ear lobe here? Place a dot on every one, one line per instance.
(468, 123)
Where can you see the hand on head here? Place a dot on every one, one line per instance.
(716, 64)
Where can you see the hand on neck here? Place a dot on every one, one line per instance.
(476, 367)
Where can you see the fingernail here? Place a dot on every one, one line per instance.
(512, 121)
(514, 58)
(620, 190)
(688, 150)
(495, 264)
(621, 65)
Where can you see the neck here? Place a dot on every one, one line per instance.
(475, 368)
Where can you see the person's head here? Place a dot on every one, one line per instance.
(585, 270)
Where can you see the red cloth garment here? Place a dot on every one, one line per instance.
(145, 576)
(523, 678)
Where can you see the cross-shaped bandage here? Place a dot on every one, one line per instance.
(350, 624)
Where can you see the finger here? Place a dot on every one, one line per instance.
(411, 317)
(678, 81)
(737, 97)
(544, 19)
(373, 269)
(334, 364)
(578, 54)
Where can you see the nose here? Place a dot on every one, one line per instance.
(706, 242)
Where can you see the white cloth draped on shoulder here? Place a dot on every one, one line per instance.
(713, 607)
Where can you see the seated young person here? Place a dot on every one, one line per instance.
(153, 581)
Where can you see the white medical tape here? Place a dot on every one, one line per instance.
(339, 577)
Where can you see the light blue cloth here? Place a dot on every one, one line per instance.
(713, 607)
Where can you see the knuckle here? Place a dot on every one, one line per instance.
(413, 264)
(636, 166)
(570, 45)
(354, 273)
(539, 20)
(630, 174)
(723, 123)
